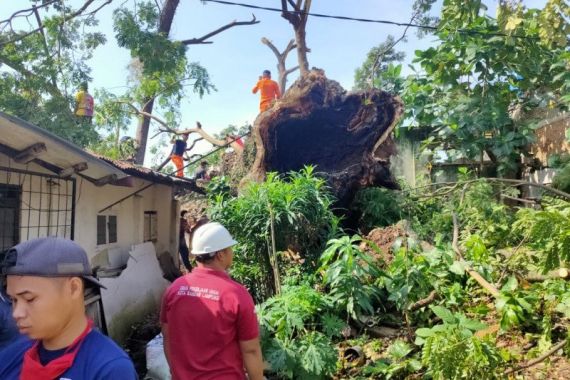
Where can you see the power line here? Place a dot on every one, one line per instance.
(374, 21)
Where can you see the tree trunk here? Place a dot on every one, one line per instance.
(164, 26)
(302, 50)
(347, 139)
(142, 133)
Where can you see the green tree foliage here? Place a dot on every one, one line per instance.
(42, 70)
(160, 70)
(303, 221)
(473, 85)
(377, 69)
(547, 231)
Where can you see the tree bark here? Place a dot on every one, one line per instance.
(298, 18)
(318, 123)
(300, 36)
(164, 26)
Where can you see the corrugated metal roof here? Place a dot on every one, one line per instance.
(17, 135)
(149, 174)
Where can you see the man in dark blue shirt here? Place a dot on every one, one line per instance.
(8, 329)
(45, 281)
(178, 153)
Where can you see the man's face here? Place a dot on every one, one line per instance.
(185, 137)
(228, 257)
(42, 307)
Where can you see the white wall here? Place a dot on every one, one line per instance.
(131, 300)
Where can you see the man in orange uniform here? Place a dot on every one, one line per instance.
(269, 91)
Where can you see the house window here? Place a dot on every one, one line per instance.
(106, 229)
(150, 226)
(9, 216)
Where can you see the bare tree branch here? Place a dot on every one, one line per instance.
(145, 114)
(541, 358)
(65, 18)
(202, 40)
(281, 58)
(29, 12)
(289, 71)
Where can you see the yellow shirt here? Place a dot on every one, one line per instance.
(84, 103)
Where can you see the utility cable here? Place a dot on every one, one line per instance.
(375, 21)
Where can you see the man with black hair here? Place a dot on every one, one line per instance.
(208, 320)
(269, 90)
(46, 278)
(178, 153)
(8, 329)
(202, 172)
(182, 246)
(84, 104)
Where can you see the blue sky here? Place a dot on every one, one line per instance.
(236, 57)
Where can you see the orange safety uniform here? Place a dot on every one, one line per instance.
(269, 92)
(178, 161)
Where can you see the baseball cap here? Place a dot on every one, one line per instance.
(48, 257)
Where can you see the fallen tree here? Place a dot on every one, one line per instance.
(347, 136)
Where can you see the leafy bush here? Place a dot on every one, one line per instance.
(450, 351)
(561, 180)
(397, 365)
(378, 207)
(303, 221)
(547, 231)
(349, 275)
(290, 340)
(515, 306)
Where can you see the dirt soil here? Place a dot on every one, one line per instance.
(384, 238)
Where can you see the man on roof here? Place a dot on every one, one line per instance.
(178, 153)
(269, 90)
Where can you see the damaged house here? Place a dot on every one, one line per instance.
(126, 217)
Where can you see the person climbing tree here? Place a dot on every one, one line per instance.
(178, 152)
(269, 90)
(84, 104)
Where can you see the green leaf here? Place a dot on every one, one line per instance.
(445, 315)
(458, 267)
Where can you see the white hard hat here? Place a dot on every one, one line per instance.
(211, 237)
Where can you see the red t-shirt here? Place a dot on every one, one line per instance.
(207, 314)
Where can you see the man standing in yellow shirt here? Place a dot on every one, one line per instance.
(84, 104)
(269, 90)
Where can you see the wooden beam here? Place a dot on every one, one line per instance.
(30, 153)
(79, 167)
(105, 180)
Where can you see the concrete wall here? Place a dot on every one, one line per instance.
(132, 300)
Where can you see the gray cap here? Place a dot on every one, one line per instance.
(48, 257)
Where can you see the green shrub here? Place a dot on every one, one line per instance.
(450, 351)
(377, 207)
(303, 221)
(561, 180)
(548, 232)
(290, 339)
(349, 275)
